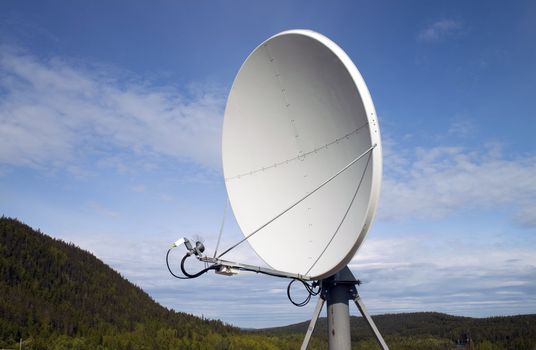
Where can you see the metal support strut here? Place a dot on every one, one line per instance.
(312, 324)
(337, 290)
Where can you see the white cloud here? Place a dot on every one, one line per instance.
(439, 30)
(527, 216)
(423, 274)
(55, 113)
(439, 181)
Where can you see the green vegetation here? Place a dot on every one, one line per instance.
(54, 295)
(432, 330)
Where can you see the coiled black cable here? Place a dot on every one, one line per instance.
(310, 290)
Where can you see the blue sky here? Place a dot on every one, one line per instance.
(110, 122)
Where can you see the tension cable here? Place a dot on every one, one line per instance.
(298, 201)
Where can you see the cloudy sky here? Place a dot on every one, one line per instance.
(110, 122)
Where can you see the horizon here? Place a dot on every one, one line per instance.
(275, 327)
(110, 130)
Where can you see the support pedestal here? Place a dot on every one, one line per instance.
(337, 290)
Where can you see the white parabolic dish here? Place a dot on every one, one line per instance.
(297, 114)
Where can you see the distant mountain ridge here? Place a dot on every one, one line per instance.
(512, 332)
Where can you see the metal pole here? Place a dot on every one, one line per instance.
(312, 324)
(337, 290)
(338, 317)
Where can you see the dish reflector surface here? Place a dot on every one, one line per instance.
(299, 112)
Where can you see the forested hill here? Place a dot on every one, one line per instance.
(508, 332)
(54, 294)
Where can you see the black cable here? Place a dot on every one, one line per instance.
(187, 275)
(169, 269)
(195, 275)
(310, 290)
(212, 267)
(309, 287)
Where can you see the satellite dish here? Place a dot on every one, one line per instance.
(301, 144)
(302, 164)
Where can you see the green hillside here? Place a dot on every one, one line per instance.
(55, 295)
(434, 330)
